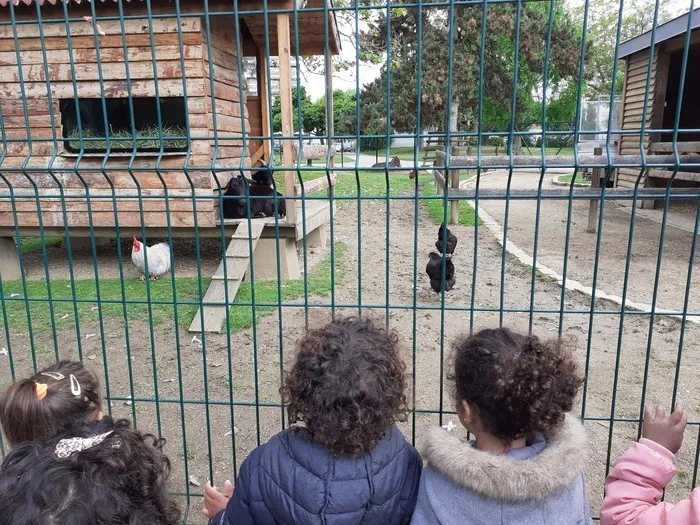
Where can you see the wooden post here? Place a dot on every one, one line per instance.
(593, 205)
(284, 46)
(264, 104)
(330, 128)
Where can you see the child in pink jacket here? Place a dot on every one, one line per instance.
(635, 485)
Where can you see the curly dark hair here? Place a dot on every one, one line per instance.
(347, 385)
(103, 485)
(517, 383)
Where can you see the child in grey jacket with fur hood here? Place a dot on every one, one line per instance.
(525, 464)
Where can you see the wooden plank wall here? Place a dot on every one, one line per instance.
(226, 100)
(40, 114)
(633, 109)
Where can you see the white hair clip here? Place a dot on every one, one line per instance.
(67, 447)
(74, 386)
(56, 376)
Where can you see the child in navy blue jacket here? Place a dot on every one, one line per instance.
(349, 463)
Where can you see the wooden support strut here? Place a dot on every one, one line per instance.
(284, 46)
(237, 259)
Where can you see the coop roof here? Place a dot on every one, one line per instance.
(666, 31)
(311, 21)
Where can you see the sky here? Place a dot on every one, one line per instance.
(345, 80)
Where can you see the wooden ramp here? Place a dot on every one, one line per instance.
(237, 260)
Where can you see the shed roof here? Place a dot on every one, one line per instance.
(666, 31)
(312, 24)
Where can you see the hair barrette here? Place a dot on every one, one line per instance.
(74, 386)
(56, 376)
(67, 447)
(40, 389)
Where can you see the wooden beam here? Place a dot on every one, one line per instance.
(525, 161)
(593, 205)
(683, 147)
(264, 103)
(285, 64)
(330, 127)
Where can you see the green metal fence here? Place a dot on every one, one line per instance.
(551, 258)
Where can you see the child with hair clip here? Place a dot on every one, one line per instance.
(37, 408)
(349, 463)
(526, 460)
(96, 473)
(634, 488)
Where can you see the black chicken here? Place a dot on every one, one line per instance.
(434, 271)
(451, 241)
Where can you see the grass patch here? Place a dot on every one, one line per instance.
(33, 244)
(372, 183)
(187, 289)
(435, 209)
(94, 141)
(319, 283)
(579, 179)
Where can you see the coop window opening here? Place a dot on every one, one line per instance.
(91, 126)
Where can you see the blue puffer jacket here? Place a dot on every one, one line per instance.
(291, 479)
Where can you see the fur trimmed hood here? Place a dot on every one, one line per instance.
(504, 478)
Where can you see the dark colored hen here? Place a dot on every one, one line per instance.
(451, 241)
(434, 271)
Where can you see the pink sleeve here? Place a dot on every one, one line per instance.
(635, 486)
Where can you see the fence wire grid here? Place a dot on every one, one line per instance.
(123, 120)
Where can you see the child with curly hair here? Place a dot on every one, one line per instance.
(60, 395)
(635, 486)
(97, 473)
(525, 464)
(349, 463)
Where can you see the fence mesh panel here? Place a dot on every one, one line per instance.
(126, 120)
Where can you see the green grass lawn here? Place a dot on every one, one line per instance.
(579, 179)
(186, 289)
(33, 244)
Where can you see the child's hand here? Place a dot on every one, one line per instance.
(214, 502)
(666, 431)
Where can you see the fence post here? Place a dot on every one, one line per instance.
(593, 205)
(10, 269)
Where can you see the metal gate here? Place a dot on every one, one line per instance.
(125, 120)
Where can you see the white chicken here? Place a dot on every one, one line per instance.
(158, 258)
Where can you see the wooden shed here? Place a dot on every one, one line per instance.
(63, 68)
(662, 99)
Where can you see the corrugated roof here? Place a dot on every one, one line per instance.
(666, 31)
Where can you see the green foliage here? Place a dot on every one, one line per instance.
(369, 144)
(499, 65)
(313, 118)
(496, 142)
(123, 140)
(602, 18)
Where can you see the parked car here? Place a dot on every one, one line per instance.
(348, 145)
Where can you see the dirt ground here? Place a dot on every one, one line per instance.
(219, 399)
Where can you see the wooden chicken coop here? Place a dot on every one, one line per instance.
(664, 90)
(129, 70)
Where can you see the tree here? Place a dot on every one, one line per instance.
(499, 64)
(313, 120)
(602, 19)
